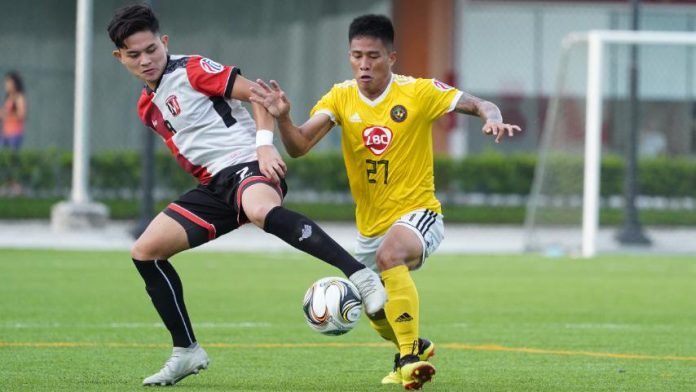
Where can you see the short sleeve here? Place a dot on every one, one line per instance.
(439, 98)
(327, 105)
(211, 78)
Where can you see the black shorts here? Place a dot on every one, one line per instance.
(209, 211)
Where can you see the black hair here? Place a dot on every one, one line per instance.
(375, 26)
(130, 20)
(16, 79)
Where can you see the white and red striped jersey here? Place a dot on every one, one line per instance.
(191, 110)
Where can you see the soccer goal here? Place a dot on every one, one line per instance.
(563, 207)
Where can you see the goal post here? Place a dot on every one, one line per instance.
(596, 42)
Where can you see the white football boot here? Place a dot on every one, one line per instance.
(183, 362)
(371, 289)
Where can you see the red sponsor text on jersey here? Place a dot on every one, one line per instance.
(377, 139)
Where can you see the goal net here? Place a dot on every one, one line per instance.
(585, 131)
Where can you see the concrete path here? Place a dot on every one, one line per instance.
(458, 239)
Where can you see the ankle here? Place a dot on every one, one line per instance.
(406, 359)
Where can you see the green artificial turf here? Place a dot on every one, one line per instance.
(81, 321)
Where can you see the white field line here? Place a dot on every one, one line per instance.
(202, 325)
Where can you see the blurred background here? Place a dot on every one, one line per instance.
(503, 51)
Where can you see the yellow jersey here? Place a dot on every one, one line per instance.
(388, 147)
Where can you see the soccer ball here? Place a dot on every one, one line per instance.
(332, 306)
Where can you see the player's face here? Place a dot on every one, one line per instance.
(371, 62)
(145, 56)
(9, 86)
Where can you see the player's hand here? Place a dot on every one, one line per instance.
(499, 129)
(271, 164)
(271, 97)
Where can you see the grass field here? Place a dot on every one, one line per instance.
(82, 321)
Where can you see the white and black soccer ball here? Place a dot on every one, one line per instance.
(332, 306)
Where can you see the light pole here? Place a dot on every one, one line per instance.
(147, 183)
(631, 233)
(80, 212)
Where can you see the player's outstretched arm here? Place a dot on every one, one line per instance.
(489, 113)
(270, 162)
(297, 140)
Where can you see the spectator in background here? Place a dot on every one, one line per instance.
(13, 112)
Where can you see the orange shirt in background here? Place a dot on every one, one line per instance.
(13, 125)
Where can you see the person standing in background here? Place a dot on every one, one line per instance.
(13, 113)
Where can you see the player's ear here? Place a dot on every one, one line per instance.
(165, 40)
(392, 58)
(117, 54)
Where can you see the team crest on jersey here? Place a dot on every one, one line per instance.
(377, 139)
(210, 66)
(398, 113)
(441, 86)
(173, 105)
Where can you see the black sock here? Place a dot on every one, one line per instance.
(163, 285)
(302, 233)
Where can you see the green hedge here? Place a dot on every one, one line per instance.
(34, 208)
(48, 172)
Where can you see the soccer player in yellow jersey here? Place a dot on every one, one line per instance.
(387, 148)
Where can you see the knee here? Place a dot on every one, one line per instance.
(143, 251)
(257, 213)
(140, 252)
(387, 258)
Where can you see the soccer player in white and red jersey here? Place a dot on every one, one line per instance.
(194, 105)
(386, 137)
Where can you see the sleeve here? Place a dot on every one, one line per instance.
(439, 98)
(327, 105)
(211, 78)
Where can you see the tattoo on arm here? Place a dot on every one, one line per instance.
(469, 104)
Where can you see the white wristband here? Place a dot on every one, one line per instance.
(264, 137)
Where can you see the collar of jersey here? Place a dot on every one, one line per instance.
(154, 90)
(381, 97)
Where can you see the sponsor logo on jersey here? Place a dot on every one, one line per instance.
(173, 105)
(243, 173)
(210, 66)
(377, 139)
(441, 86)
(398, 113)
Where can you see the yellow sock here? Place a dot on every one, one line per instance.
(402, 308)
(384, 330)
